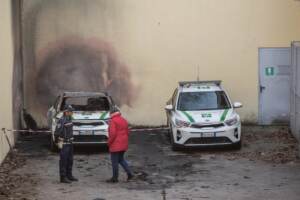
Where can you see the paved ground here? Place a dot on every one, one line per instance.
(266, 168)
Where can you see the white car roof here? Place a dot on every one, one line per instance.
(199, 86)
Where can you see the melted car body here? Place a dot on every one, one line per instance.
(90, 116)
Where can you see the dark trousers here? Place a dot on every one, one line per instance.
(116, 159)
(66, 161)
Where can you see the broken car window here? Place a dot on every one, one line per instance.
(87, 103)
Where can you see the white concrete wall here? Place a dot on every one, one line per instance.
(6, 67)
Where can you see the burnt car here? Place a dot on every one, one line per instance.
(90, 117)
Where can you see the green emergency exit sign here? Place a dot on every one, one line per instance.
(269, 71)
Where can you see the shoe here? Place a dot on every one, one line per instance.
(64, 180)
(112, 180)
(72, 178)
(129, 177)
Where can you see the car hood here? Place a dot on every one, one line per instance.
(205, 116)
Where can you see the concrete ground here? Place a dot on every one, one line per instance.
(267, 167)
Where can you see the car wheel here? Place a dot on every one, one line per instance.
(238, 145)
(175, 147)
(170, 132)
(53, 146)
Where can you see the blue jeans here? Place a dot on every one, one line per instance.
(116, 159)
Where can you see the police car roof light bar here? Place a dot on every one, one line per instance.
(215, 82)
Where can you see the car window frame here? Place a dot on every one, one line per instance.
(109, 99)
(174, 98)
(56, 102)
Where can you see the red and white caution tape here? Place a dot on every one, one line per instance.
(28, 131)
(47, 131)
(148, 129)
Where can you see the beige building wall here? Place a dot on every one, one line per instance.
(6, 68)
(163, 42)
(221, 37)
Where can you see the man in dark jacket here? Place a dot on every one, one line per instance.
(118, 144)
(64, 130)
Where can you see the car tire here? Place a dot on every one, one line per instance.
(238, 145)
(169, 134)
(174, 146)
(53, 146)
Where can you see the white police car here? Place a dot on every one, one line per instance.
(90, 117)
(200, 114)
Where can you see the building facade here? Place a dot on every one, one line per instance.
(156, 43)
(6, 75)
(136, 50)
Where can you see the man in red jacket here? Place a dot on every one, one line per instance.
(118, 133)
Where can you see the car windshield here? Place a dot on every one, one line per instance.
(87, 103)
(215, 100)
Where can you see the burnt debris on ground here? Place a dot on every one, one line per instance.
(270, 144)
(8, 180)
(14, 185)
(154, 164)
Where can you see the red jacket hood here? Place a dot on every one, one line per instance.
(116, 114)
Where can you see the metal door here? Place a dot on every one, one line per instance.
(295, 91)
(274, 85)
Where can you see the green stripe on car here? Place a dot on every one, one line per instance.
(223, 117)
(103, 115)
(190, 118)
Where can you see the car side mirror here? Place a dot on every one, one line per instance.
(169, 107)
(237, 105)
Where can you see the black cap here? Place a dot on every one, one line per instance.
(68, 108)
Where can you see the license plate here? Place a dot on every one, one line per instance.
(209, 134)
(86, 133)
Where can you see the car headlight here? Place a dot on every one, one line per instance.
(181, 123)
(231, 122)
